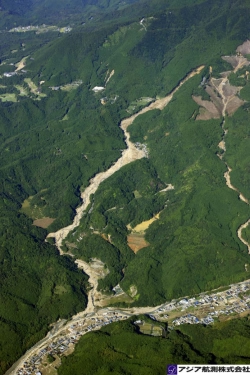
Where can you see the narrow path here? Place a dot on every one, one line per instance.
(243, 226)
(222, 146)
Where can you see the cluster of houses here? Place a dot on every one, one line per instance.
(69, 337)
(192, 319)
(233, 301)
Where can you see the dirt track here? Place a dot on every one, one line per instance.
(239, 232)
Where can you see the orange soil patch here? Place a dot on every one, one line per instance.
(136, 242)
(44, 222)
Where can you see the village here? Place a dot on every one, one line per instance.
(65, 341)
(205, 309)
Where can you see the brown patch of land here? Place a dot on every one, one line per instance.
(237, 62)
(44, 222)
(244, 48)
(233, 105)
(137, 242)
(21, 64)
(207, 111)
(223, 97)
(145, 224)
(128, 155)
(106, 237)
(222, 145)
(225, 74)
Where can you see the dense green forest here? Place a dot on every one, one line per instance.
(57, 133)
(37, 286)
(120, 349)
(28, 12)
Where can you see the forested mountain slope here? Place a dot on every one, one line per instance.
(57, 133)
(120, 348)
(33, 11)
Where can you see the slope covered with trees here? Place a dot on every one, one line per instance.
(57, 133)
(120, 349)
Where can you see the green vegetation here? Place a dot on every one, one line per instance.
(246, 234)
(50, 358)
(37, 286)
(55, 139)
(238, 136)
(120, 349)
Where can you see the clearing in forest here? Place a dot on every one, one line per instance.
(21, 64)
(136, 240)
(8, 98)
(44, 222)
(33, 88)
(223, 96)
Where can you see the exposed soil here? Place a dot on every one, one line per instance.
(128, 155)
(140, 228)
(44, 222)
(169, 187)
(208, 111)
(110, 76)
(21, 64)
(226, 74)
(243, 226)
(222, 145)
(137, 242)
(95, 270)
(237, 62)
(233, 105)
(223, 97)
(244, 48)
